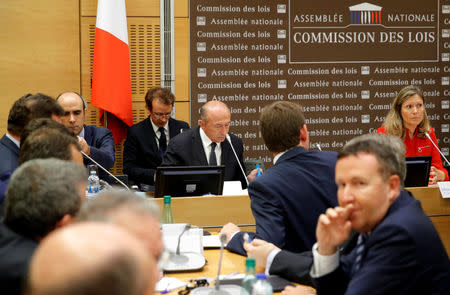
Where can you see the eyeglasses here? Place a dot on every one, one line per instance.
(159, 115)
(192, 285)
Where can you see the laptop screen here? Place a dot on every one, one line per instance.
(417, 171)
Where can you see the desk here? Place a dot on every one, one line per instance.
(435, 206)
(218, 210)
(231, 262)
(211, 211)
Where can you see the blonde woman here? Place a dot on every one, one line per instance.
(408, 120)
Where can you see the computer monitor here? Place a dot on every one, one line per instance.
(417, 171)
(189, 181)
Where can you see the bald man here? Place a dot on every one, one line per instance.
(207, 145)
(136, 215)
(96, 142)
(91, 258)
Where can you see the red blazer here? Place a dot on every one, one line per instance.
(422, 147)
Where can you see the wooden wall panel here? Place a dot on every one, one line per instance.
(138, 8)
(182, 111)
(39, 51)
(182, 59)
(134, 7)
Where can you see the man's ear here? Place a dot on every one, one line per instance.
(201, 123)
(304, 137)
(394, 187)
(65, 220)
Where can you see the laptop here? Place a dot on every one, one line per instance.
(417, 171)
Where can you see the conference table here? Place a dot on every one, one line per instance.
(214, 211)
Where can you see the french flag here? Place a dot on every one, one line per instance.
(111, 81)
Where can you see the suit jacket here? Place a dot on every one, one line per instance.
(141, 154)
(288, 198)
(15, 253)
(296, 266)
(9, 154)
(101, 142)
(403, 255)
(187, 150)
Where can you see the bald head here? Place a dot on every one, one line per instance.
(138, 216)
(102, 259)
(215, 120)
(74, 110)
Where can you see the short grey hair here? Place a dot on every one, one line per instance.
(389, 151)
(103, 207)
(40, 193)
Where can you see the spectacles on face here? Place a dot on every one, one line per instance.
(161, 115)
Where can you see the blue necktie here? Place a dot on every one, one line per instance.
(359, 252)
(212, 155)
(162, 141)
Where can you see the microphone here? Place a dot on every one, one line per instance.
(227, 289)
(318, 146)
(109, 173)
(187, 227)
(237, 159)
(429, 137)
(217, 290)
(178, 258)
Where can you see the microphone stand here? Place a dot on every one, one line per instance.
(237, 159)
(109, 173)
(217, 290)
(177, 258)
(429, 137)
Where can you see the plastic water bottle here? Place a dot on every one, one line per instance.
(262, 286)
(167, 216)
(250, 277)
(93, 182)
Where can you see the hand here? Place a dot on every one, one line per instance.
(85, 148)
(435, 175)
(333, 228)
(252, 174)
(228, 230)
(298, 290)
(259, 250)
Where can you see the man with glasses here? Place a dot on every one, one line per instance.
(147, 140)
(207, 145)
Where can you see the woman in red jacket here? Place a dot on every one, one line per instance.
(408, 120)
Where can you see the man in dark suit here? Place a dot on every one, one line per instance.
(399, 250)
(26, 108)
(43, 194)
(207, 145)
(289, 197)
(96, 142)
(10, 142)
(147, 140)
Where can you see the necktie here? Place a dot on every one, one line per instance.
(162, 141)
(212, 155)
(359, 252)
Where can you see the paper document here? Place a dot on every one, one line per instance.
(212, 241)
(168, 284)
(444, 187)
